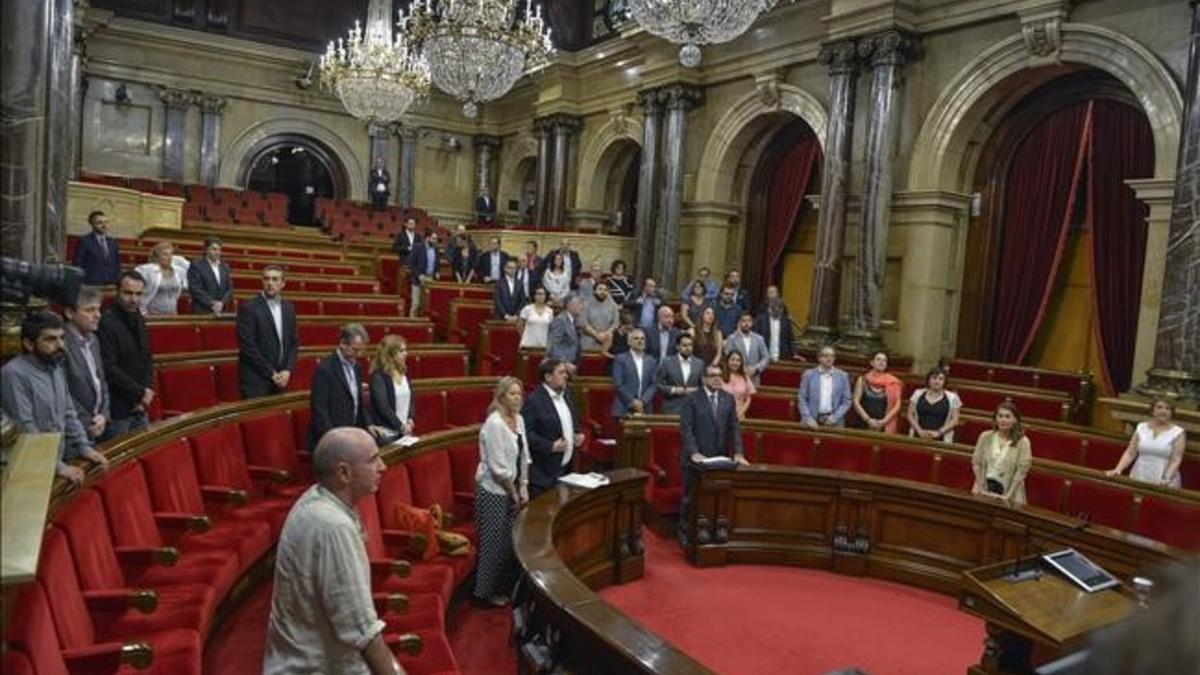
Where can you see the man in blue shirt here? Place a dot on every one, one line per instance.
(728, 311)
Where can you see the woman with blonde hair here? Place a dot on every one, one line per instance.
(166, 280)
(1002, 457)
(1157, 446)
(391, 392)
(501, 489)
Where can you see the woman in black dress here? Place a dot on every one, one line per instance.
(933, 409)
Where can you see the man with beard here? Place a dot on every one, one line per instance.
(267, 338)
(125, 350)
(35, 397)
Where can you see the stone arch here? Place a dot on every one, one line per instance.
(740, 126)
(973, 104)
(237, 153)
(597, 159)
(521, 147)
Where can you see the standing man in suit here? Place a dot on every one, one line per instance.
(406, 239)
(125, 351)
(824, 397)
(485, 209)
(267, 338)
(775, 325)
(751, 346)
(490, 264)
(379, 180)
(708, 428)
(97, 254)
(661, 338)
(85, 364)
(552, 427)
(529, 268)
(422, 267)
(336, 396)
(679, 376)
(633, 378)
(509, 296)
(208, 280)
(644, 306)
(733, 279)
(562, 339)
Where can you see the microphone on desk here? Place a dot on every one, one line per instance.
(1085, 521)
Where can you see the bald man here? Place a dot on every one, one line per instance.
(323, 618)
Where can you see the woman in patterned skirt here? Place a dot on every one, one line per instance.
(501, 489)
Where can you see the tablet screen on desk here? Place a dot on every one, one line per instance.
(1076, 567)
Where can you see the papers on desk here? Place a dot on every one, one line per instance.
(718, 462)
(586, 481)
(408, 441)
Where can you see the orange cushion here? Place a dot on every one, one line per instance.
(415, 519)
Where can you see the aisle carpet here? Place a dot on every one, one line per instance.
(751, 619)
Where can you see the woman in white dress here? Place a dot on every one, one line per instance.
(556, 280)
(1157, 446)
(501, 490)
(166, 280)
(534, 321)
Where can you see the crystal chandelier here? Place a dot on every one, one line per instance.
(478, 49)
(377, 78)
(697, 22)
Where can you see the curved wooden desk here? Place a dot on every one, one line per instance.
(571, 542)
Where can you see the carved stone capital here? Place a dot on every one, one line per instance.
(408, 134)
(543, 126)
(564, 124)
(682, 96)
(1042, 29)
(212, 105)
(377, 130)
(486, 141)
(889, 48)
(840, 57)
(766, 86)
(650, 102)
(177, 99)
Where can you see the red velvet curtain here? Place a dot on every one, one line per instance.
(1122, 148)
(789, 185)
(1040, 195)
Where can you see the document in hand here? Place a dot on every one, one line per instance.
(718, 462)
(584, 480)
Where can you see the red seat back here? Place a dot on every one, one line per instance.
(842, 455)
(599, 402)
(1170, 522)
(1106, 504)
(269, 441)
(173, 338)
(127, 502)
(395, 488)
(64, 594)
(968, 431)
(301, 421)
(467, 406)
(1055, 446)
(954, 471)
(666, 443)
(907, 463)
(220, 457)
(188, 388)
(1100, 453)
(464, 460)
(772, 407)
(16, 663)
(219, 337)
(228, 388)
(368, 512)
(1044, 490)
(438, 364)
(429, 411)
(171, 477)
(782, 376)
(83, 521)
(787, 449)
(431, 480)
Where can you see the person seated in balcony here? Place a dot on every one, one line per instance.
(208, 280)
(933, 409)
(877, 396)
(34, 394)
(125, 350)
(379, 180)
(562, 338)
(620, 286)
(464, 258)
(695, 301)
(501, 490)
(775, 325)
(534, 321)
(556, 280)
(85, 365)
(709, 340)
(679, 375)
(490, 264)
(599, 322)
(824, 397)
(336, 392)
(166, 278)
(422, 267)
(508, 297)
(391, 392)
(1002, 458)
(728, 311)
(751, 346)
(633, 375)
(97, 253)
(268, 339)
(323, 616)
(736, 383)
(1156, 448)
(552, 425)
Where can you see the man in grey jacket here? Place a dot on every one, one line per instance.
(562, 339)
(84, 366)
(751, 346)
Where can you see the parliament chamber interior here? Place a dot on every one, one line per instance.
(600, 336)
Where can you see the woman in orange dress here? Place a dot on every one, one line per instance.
(735, 382)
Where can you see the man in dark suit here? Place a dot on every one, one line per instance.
(644, 306)
(633, 378)
(490, 263)
(551, 426)
(734, 279)
(336, 397)
(85, 363)
(708, 427)
(679, 376)
(267, 338)
(125, 350)
(406, 239)
(662, 336)
(774, 324)
(485, 208)
(509, 296)
(562, 338)
(208, 279)
(422, 267)
(378, 183)
(97, 254)
(529, 269)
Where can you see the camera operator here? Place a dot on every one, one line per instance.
(35, 396)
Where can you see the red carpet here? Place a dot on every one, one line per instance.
(759, 619)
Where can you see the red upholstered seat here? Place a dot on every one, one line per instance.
(187, 388)
(1189, 472)
(666, 485)
(499, 347)
(270, 443)
(226, 373)
(79, 628)
(219, 336)
(954, 471)
(433, 483)
(35, 635)
(968, 430)
(782, 376)
(173, 338)
(772, 407)
(425, 577)
(464, 460)
(413, 333)
(787, 449)
(466, 317)
(1055, 446)
(844, 455)
(593, 364)
(429, 411)
(438, 364)
(221, 464)
(16, 663)
(605, 429)
(396, 487)
(467, 406)
(1169, 521)
(1044, 490)
(315, 334)
(908, 463)
(302, 376)
(1107, 505)
(435, 657)
(1102, 454)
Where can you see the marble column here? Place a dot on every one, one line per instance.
(541, 131)
(1176, 370)
(62, 103)
(565, 127)
(887, 52)
(176, 103)
(678, 100)
(841, 58)
(486, 148)
(211, 108)
(647, 209)
(408, 164)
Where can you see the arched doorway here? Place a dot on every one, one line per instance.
(298, 166)
(1055, 256)
(527, 191)
(621, 186)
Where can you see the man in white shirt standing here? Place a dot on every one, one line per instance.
(751, 346)
(774, 324)
(323, 617)
(824, 396)
(552, 427)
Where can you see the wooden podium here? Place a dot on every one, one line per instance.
(1048, 611)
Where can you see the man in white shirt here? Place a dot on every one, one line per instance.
(824, 396)
(552, 427)
(774, 324)
(323, 617)
(751, 346)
